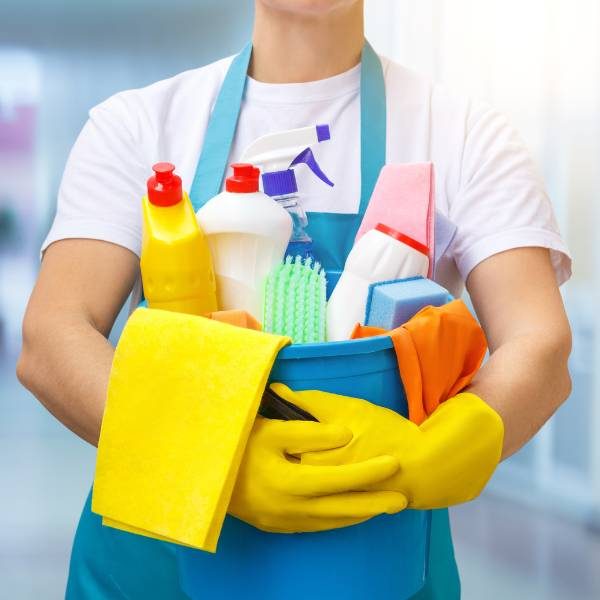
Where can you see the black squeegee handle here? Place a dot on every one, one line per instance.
(273, 406)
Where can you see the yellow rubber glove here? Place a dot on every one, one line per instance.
(446, 460)
(274, 492)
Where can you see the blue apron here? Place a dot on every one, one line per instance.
(107, 563)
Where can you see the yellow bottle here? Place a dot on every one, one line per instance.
(176, 265)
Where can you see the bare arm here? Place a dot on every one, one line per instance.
(520, 308)
(65, 361)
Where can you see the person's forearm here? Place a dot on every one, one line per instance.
(525, 381)
(66, 364)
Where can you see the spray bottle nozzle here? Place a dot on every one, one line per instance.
(323, 133)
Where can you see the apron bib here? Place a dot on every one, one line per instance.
(107, 563)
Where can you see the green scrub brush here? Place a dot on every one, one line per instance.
(294, 301)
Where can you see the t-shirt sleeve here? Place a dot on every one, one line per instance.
(501, 203)
(103, 182)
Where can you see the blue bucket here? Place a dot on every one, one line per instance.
(383, 558)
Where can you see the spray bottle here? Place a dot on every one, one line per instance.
(176, 264)
(277, 154)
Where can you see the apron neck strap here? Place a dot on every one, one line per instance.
(372, 123)
(212, 164)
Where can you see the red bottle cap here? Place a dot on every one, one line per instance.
(164, 187)
(244, 179)
(401, 237)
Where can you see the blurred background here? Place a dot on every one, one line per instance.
(535, 532)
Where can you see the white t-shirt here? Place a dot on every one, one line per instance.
(486, 181)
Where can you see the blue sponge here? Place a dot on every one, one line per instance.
(392, 303)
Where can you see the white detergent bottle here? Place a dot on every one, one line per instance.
(248, 233)
(382, 254)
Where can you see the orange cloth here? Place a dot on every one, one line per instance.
(240, 318)
(439, 351)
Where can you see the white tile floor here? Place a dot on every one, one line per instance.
(505, 552)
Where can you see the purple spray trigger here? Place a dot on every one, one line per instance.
(308, 158)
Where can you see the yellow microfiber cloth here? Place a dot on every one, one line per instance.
(182, 397)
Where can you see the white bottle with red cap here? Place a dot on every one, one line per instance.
(248, 233)
(382, 254)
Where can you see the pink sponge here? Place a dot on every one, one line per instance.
(404, 199)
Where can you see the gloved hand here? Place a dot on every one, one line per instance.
(446, 460)
(274, 492)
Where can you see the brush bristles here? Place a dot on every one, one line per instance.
(294, 301)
